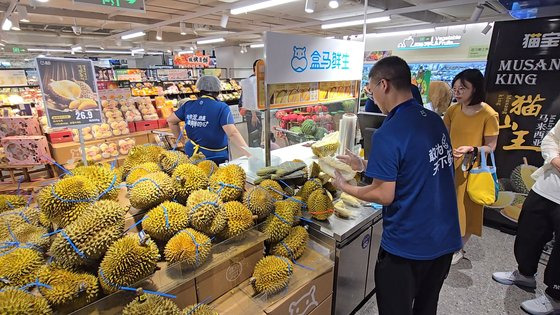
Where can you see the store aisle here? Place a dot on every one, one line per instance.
(469, 289)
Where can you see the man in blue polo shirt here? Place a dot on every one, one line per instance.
(411, 163)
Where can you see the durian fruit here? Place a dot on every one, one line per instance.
(14, 301)
(239, 219)
(320, 205)
(141, 154)
(127, 261)
(11, 202)
(259, 201)
(163, 221)
(105, 179)
(229, 182)
(189, 247)
(197, 158)
(68, 290)
(294, 204)
(271, 274)
(273, 188)
(168, 160)
(151, 190)
(278, 224)
(28, 215)
(140, 171)
(25, 233)
(66, 200)
(309, 187)
(188, 178)
(293, 246)
(329, 165)
(521, 177)
(85, 89)
(92, 234)
(19, 266)
(208, 166)
(326, 146)
(199, 309)
(149, 304)
(205, 211)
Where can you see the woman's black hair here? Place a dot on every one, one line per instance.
(474, 77)
(212, 94)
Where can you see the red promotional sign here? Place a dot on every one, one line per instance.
(192, 61)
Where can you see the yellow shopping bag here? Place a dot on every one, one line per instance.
(482, 181)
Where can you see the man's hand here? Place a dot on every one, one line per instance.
(353, 160)
(339, 182)
(556, 163)
(460, 151)
(254, 119)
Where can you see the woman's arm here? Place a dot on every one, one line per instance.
(235, 137)
(173, 122)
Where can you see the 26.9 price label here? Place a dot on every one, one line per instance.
(81, 115)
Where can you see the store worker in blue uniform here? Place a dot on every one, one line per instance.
(208, 123)
(371, 107)
(411, 163)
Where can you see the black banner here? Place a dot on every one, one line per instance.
(523, 86)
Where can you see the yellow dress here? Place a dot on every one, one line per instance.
(469, 130)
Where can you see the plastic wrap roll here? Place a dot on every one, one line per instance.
(347, 132)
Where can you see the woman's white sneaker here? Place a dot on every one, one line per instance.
(543, 305)
(457, 257)
(514, 277)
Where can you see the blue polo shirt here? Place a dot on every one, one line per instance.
(413, 149)
(204, 120)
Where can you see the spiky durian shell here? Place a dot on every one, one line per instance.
(189, 247)
(229, 182)
(259, 201)
(105, 179)
(278, 224)
(151, 190)
(149, 304)
(140, 171)
(188, 178)
(320, 205)
(92, 234)
(199, 309)
(293, 246)
(21, 215)
(309, 187)
(127, 261)
(163, 221)
(11, 202)
(239, 219)
(68, 290)
(14, 301)
(168, 160)
(19, 266)
(274, 188)
(25, 233)
(141, 154)
(205, 210)
(208, 166)
(271, 274)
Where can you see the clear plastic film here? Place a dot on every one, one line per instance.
(347, 136)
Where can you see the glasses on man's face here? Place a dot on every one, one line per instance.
(459, 90)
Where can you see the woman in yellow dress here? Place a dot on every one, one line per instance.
(471, 124)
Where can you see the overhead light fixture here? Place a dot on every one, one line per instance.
(7, 25)
(113, 52)
(224, 20)
(101, 47)
(169, 51)
(486, 29)
(184, 52)
(75, 48)
(355, 22)
(2, 44)
(15, 25)
(133, 35)
(137, 50)
(408, 32)
(77, 30)
(243, 49)
(183, 28)
(329, 37)
(22, 13)
(159, 34)
(42, 1)
(256, 45)
(210, 41)
(333, 4)
(49, 50)
(477, 12)
(259, 6)
(309, 6)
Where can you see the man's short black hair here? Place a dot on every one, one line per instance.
(255, 65)
(474, 77)
(393, 69)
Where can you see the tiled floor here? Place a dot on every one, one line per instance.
(469, 289)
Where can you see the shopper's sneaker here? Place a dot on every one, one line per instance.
(543, 305)
(514, 277)
(457, 257)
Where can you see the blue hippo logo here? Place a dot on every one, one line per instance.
(299, 60)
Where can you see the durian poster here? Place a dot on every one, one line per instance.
(522, 79)
(69, 92)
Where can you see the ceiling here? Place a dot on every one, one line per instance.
(51, 22)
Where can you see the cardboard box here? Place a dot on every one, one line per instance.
(173, 280)
(234, 269)
(324, 308)
(146, 125)
(237, 302)
(26, 150)
(19, 126)
(60, 136)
